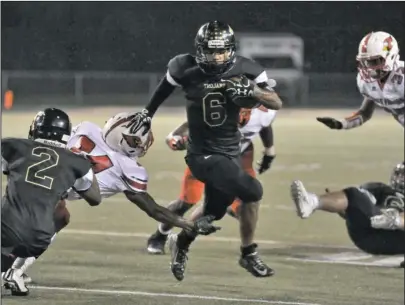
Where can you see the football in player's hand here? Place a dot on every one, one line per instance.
(239, 90)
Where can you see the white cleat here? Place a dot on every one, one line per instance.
(305, 202)
(27, 279)
(14, 281)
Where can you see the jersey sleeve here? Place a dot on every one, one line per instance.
(176, 69)
(84, 183)
(254, 71)
(135, 177)
(268, 117)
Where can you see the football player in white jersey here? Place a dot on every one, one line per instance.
(253, 122)
(380, 80)
(114, 151)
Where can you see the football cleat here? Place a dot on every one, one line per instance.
(156, 243)
(305, 202)
(254, 264)
(14, 281)
(27, 279)
(179, 258)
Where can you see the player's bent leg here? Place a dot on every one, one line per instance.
(374, 241)
(191, 193)
(61, 220)
(247, 165)
(215, 203)
(61, 216)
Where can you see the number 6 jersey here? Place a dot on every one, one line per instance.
(115, 172)
(212, 118)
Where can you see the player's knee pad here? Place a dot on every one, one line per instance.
(355, 195)
(252, 190)
(218, 211)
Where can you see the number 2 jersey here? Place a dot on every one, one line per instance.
(38, 177)
(212, 118)
(114, 171)
(390, 97)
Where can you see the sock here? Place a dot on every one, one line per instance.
(314, 199)
(163, 232)
(184, 240)
(251, 249)
(23, 263)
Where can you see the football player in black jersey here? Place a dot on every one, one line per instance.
(374, 212)
(39, 173)
(216, 83)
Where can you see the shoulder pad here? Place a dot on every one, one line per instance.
(134, 175)
(253, 70)
(178, 65)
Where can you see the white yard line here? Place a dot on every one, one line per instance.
(168, 295)
(202, 238)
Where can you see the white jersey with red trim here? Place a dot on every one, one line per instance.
(114, 171)
(252, 121)
(389, 96)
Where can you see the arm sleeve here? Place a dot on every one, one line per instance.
(84, 183)
(167, 84)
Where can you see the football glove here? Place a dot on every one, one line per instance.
(330, 122)
(265, 163)
(388, 220)
(144, 116)
(238, 87)
(203, 225)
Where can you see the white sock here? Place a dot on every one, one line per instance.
(23, 263)
(162, 231)
(314, 199)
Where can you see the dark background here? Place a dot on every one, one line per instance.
(143, 36)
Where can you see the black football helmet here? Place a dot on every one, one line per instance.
(213, 38)
(51, 124)
(397, 180)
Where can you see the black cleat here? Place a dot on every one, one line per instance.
(179, 258)
(156, 243)
(254, 264)
(402, 265)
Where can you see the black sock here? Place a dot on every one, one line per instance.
(184, 240)
(248, 250)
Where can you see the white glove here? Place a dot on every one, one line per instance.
(388, 220)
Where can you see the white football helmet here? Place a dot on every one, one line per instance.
(378, 53)
(129, 134)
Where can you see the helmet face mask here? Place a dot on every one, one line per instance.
(215, 48)
(397, 180)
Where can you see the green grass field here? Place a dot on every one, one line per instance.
(101, 258)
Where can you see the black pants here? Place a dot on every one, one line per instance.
(224, 181)
(366, 238)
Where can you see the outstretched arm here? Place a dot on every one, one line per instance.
(357, 119)
(161, 93)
